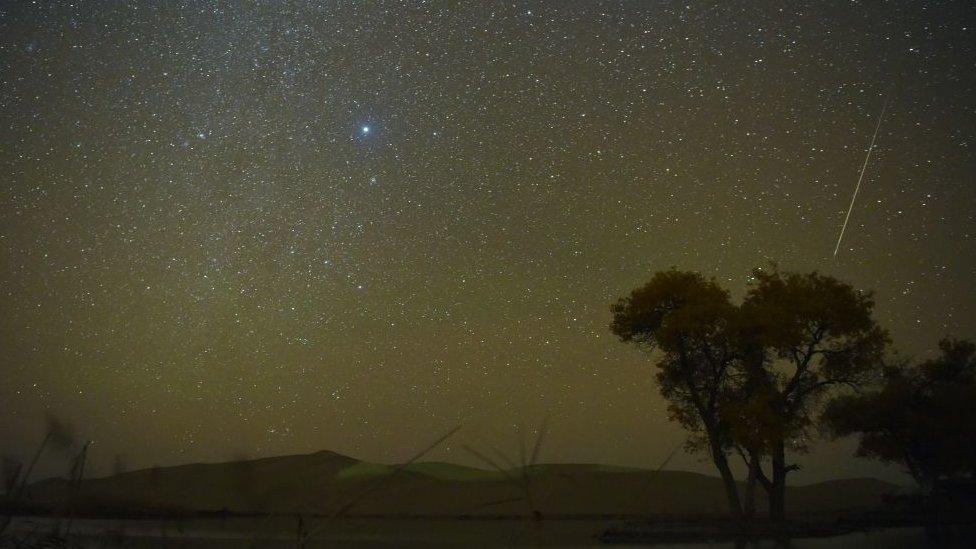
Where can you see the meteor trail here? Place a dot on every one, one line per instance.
(860, 177)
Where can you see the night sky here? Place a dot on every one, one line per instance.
(250, 229)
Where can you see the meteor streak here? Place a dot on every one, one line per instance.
(860, 177)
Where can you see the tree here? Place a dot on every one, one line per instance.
(921, 417)
(751, 379)
(809, 334)
(689, 321)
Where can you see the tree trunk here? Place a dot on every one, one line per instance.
(749, 496)
(731, 490)
(777, 487)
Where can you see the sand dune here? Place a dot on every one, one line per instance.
(325, 482)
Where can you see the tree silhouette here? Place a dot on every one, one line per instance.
(688, 321)
(920, 417)
(808, 334)
(750, 379)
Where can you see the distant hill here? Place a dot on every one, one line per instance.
(325, 482)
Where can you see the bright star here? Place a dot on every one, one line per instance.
(365, 130)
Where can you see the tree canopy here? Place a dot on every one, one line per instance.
(921, 416)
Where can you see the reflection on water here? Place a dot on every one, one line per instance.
(388, 533)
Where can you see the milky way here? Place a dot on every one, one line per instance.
(263, 228)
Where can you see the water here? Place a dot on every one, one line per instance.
(409, 533)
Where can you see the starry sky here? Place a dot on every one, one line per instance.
(258, 228)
